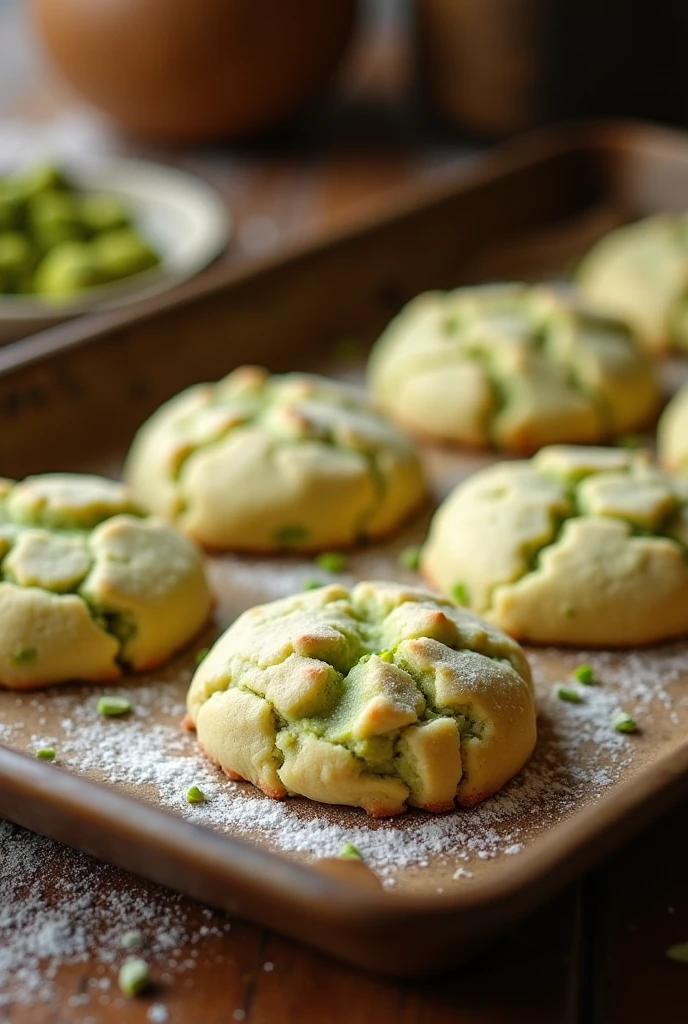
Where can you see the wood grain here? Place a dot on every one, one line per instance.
(273, 981)
(596, 955)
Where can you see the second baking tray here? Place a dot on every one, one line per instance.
(433, 889)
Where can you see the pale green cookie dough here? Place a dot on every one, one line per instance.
(510, 366)
(583, 546)
(639, 272)
(379, 697)
(672, 433)
(262, 463)
(88, 585)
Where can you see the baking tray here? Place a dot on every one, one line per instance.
(433, 889)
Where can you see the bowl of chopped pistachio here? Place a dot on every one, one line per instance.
(97, 236)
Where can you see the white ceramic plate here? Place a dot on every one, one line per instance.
(184, 218)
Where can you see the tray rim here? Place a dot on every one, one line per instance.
(509, 158)
(579, 841)
(542, 868)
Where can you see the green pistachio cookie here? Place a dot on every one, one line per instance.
(584, 546)
(262, 463)
(640, 273)
(88, 585)
(510, 366)
(379, 697)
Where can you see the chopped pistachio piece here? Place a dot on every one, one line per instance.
(350, 852)
(121, 253)
(568, 693)
(623, 722)
(331, 561)
(584, 674)
(459, 593)
(134, 977)
(24, 656)
(201, 654)
(46, 754)
(291, 534)
(386, 656)
(114, 705)
(312, 584)
(678, 953)
(195, 796)
(133, 940)
(409, 558)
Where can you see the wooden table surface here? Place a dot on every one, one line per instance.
(596, 955)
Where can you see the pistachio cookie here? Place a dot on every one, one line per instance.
(261, 463)
(672, 434)
(379, 697)
(583, 546)
(510, 366)
(88, 586)
(640, 272)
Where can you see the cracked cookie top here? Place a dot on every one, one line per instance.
(581, 546)
(379, 697)
(88, 584)
(672, 433)
(639, 272)
(512, 367)
(260, 463)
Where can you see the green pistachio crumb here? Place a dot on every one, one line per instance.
(386, 656)
(291, 534)
(331, 561)
(46, 754)
(134, 977)
(569, 694)
(114, 705)
(195, 796)
(24, 656)
(678, 953)
(350, 852)
(459, 593)
(568, 611)
(584, 674)
(312, 584)
(133, 940)
(200, 655)
(623, 722)
(409, 558)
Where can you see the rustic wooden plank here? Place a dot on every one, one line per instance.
(248, 974)
(637, 908)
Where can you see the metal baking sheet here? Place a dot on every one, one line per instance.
(433, 888)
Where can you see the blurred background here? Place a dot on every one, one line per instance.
(303, 114)
(350, 132)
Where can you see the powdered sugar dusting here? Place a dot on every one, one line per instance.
(579, 758)
(58, 907)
